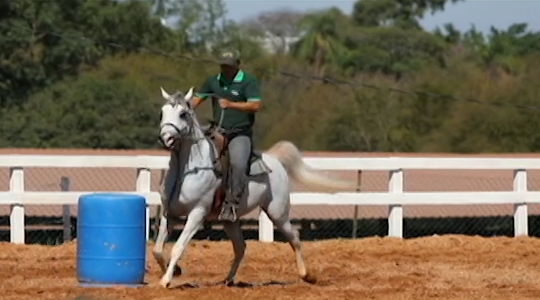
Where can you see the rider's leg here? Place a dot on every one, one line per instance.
(239, 151)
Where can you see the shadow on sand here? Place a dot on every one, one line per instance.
(238, 284)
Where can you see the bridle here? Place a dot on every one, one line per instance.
(190, 113)
(181, 134)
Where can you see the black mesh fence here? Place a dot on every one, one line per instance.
(50, 230)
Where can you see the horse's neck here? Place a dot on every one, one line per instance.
(186, 162)
(194, 155)
(199, 155)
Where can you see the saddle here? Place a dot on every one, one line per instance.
(256, 165)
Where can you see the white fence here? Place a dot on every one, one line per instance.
(395, 198)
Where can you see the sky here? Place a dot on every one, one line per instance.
(482, 13)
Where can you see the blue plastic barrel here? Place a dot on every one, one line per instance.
(111, 239)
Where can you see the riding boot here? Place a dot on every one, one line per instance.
(232, 198)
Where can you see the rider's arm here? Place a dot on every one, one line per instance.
(202, 94)
(250, 106)
(253, 96)
(195, 101)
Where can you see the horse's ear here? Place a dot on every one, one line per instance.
(165, 94)
(189, 94)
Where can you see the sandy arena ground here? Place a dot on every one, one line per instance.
(447, 267)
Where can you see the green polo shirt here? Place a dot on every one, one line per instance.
(243, 88)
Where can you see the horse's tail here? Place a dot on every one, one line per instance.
(291, 158)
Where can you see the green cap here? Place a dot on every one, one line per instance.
(229, 57)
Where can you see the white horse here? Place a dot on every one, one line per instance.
(191, 186)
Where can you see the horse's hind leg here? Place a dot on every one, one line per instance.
(234, 232)
(158, 246)
(283, 224)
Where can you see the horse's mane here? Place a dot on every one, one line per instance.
(178, 97)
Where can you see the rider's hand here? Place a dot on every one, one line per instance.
(224, 103)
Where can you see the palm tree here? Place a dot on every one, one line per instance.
(321, 43)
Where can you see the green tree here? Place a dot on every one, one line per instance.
(395, 13)
(88, 112)
(37, 56)
(506, 47)
(394, 51)
(96, 83)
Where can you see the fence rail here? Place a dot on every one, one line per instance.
(395, 198)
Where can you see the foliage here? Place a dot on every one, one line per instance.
(78, 73)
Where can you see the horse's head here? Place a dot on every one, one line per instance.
(177, 118)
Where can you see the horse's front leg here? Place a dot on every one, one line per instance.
(164, 228)
(194, 222)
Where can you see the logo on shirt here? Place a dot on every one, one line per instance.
(234, 92)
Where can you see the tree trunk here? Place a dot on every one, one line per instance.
(319, 63)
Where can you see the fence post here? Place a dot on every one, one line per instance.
(521, 214)
(355, 217)
(159, 208)
(395, 213)
(143, 185)
(65, 186)
(16, 218)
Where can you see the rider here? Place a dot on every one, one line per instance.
(237, 94)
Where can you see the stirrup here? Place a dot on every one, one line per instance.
(228, 209)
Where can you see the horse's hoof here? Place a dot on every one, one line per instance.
(165, 283)
(309, 278)
(228, 282)
(177, 271)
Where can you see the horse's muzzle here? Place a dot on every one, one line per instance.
(167, 141)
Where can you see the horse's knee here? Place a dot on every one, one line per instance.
(238, 167)
(158, 253)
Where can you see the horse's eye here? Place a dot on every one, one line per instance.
(183, 115)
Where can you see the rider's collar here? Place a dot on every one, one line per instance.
(238, 78)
